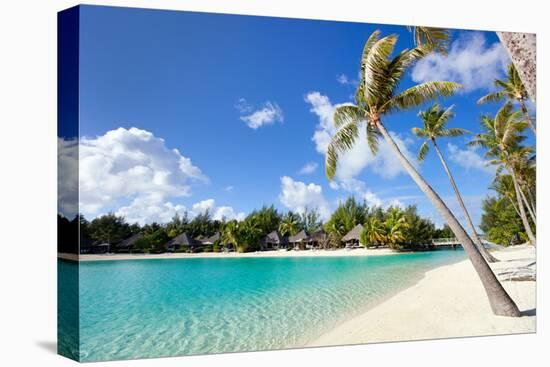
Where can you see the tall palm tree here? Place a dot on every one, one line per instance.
(435, 126)
(377, 95)
(511, 89)
(501, 139)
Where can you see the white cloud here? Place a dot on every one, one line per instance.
(372, 199)
(67, 177)
(268, 114)
(203, 206)
(470, 61)
(150, 208)
(308, 168)
(229, 188)
(468, 158)
(217, 212)
(352, 162)
(133, 164)
(297, 196)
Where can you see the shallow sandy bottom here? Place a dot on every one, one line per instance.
(448, 302)
(282, 253)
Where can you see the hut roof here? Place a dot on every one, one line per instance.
(354, 234)
(210, 240)
(275, 237)
(318, 235)
(182, 240)
(298, 237)
(130, 241)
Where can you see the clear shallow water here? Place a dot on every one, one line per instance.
(153, 308)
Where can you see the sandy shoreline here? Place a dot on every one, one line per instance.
(203, 255)
(448, 301)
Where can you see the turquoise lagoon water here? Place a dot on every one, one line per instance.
(153, 308)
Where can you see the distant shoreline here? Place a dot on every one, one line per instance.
(230, 255)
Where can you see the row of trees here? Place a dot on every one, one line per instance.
(394, 227)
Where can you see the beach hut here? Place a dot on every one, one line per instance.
(274, 241)
(183, 241)
(211, 240)
(352, 238)
(299, 240)
(317, 239)
(128, 244)
(101, 248)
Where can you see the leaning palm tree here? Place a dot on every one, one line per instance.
(377, 96)
(502, 138)
(511, 89)
(435, 126)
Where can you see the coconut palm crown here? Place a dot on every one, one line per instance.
(435, 120)
(510, 89)
(378, 94)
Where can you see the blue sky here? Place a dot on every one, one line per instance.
(245, 101)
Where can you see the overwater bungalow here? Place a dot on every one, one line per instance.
(299, 240)
(183, 241)
(353, 238)
(128, 244)
(317, 239)
(274, 241)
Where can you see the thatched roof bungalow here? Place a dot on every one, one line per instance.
(273, 241)
(182, 241)
(353, 237)
(128, 244)
(317, 239)
(299, 240)
(211, 240)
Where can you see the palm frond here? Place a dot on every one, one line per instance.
(453, 132)
(437, 39)
(424, 148)
(492, 97)
(373, 136)
(342, 141)
(421, 93)
(421, 133)
(346, 114)
(375, 64)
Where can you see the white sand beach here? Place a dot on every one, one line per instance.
(448, 301)
(183, 255)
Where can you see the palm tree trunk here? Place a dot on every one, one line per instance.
(514, 205)
(490, 258)
(522, 209)
(532, 201)
(500, 301)
(528, 206)
(528, 117)
(522, 48)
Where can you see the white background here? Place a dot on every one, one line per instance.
(28, 181)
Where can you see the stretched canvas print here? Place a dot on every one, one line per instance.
(233, 183)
